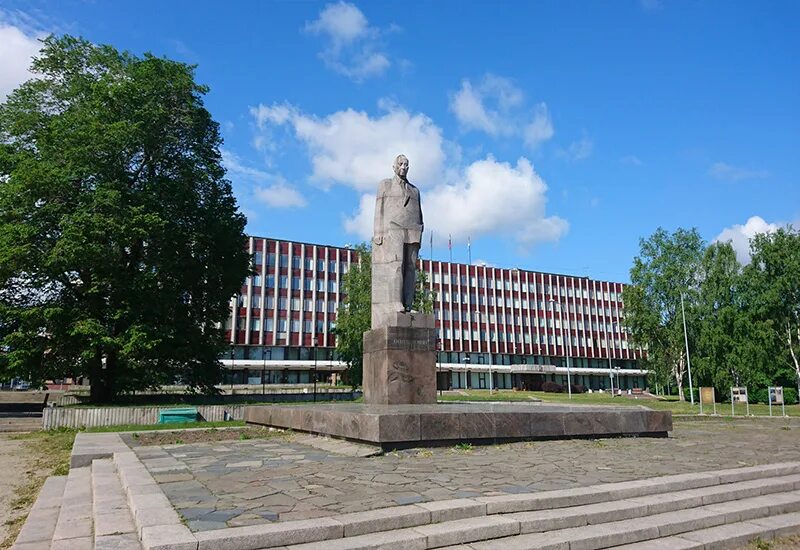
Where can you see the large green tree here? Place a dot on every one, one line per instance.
(774, 276)
(665, 270)
(120, 240)
(355, 316)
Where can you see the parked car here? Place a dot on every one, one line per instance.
(21, 385)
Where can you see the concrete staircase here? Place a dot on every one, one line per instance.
(84, 510)
(115, 504)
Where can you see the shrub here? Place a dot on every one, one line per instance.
(578, 388)
(552, 387)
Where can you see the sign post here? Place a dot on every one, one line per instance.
(706, 397)
(739, 395)
(776, 396)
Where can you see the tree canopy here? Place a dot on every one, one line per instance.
(120, 240)
(742, 322)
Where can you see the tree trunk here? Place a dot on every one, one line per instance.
(97, 388)
(678, 371)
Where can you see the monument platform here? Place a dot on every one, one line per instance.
(404, 426)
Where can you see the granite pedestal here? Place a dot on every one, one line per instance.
(403, 426)
(400, 361)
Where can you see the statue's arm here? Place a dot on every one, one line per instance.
(377, 228)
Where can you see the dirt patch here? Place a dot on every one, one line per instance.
(179, 437)
(785, 543)
(26, 460)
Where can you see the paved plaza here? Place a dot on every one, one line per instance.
(214, 485)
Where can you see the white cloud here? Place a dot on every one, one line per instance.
(739, 236)
(354, 149)
(495, 106)
(631, 160)
(540, 129)
(272, 189)
(353, 47)
(578, 150)
(280, 195)
(488, 197)
(727, 172)
(17, 48)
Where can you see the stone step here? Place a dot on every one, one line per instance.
(37, 532)
(731, 535)
(652, 528)
(74, 527)
(508, 531)
(719, 486)
(113, 523)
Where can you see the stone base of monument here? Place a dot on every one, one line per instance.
(404, 426)
(400, 361)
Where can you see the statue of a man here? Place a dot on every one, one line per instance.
(396, 242)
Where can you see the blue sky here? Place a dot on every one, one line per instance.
(553, 134)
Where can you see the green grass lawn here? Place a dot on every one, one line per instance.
(669, 404)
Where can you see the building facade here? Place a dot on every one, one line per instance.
(495, 327)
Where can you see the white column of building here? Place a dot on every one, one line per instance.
(537, 313)
(261, 310)
(486, 323)
(234, 316)
(288, 294)
(314, 278)
(581, 324)
(338, 278)
(467, 297)
(440, 297)
(450, 304)
(248, 310)
(325, 298)
(512, 309)
(276, 271)
(528, 313)
(503, 305)
(302, 292)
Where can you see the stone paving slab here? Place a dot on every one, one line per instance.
(295, 481)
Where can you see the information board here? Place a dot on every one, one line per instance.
(739, 395)
(776, 395)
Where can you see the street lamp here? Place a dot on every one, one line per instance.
(686, 341)
(566, 350)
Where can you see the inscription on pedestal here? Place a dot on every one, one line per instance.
(400, 365)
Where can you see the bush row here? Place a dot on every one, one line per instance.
(553, 387)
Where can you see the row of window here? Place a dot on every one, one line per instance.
(500, 284)
(293, 304)
(284, 325)
(509, 302)
(297, 261)
(465, 316)
(550, 339)
(308, 283)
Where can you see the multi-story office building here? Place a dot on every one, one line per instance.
(496, 327)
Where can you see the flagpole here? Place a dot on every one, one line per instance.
(450, 246)
(469, 249)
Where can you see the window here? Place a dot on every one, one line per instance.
(284, 260)
(332, 266)
(320, 306)
(258, 257)
(255, 301)
(271, 259)
(309, 264)
(306, 305)
(256, 280)
(307, 284)
(332, 286)
(270, 281)
(282, 303)
(295, 282)
(281, 327)
(295, 262)
(516, 286)
(343, 268)
(295, 304)
(437, 278)
(307, 325)
(255, 324)
(295, 325)
(284, 281)
(331, 306)
(320, 285)
(270, 302)
(242, 300)
(320, 265)
(269, 325)
(320, 325)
